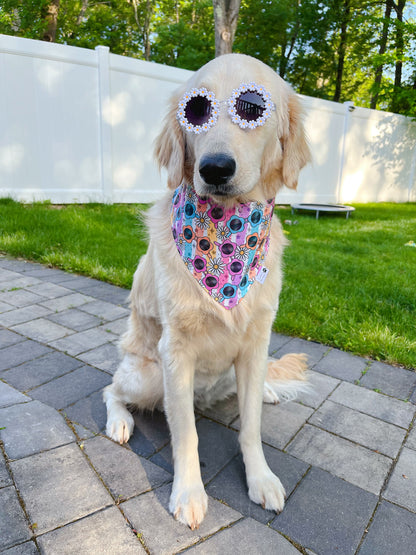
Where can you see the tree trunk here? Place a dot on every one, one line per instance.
(342, 49)
(399, 7)
(51, 17)
(82, 11)
(225, 18)
(146, 29)
(382, 49)
(399, 43)
(285, 57)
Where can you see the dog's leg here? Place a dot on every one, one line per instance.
(137, 382)
(120, 422)
(263, 486)
(188, 501)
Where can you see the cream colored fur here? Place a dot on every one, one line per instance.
(181, 346)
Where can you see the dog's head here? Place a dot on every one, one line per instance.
(247, 148)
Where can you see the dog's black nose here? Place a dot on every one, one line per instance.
(216, 169)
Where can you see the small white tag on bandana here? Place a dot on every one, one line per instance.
(261, 276)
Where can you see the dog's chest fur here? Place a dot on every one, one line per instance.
(212, 335)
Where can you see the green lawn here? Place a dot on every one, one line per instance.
(348, 283)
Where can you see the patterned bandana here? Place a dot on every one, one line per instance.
(223, 248)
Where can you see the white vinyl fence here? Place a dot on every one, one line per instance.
(78, 125)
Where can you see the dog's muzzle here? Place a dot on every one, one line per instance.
(217, 169)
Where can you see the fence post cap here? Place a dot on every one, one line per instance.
(102, 48)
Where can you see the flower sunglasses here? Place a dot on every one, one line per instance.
(249, 107)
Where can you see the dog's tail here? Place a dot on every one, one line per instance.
(286, 378)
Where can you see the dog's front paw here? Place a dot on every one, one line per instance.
(267, 491)
(189, 505)
(120, 427)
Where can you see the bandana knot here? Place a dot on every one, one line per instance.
(223, 248)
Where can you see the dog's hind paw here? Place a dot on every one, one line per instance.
(270, 396)
(189, 506)
(267, 491)
(120, 429)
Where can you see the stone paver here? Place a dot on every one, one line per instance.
(20, 298)
(217, 446)
(90, 412)
(32, 427)
(41, 370)
(231, 488)
(334, 521)
(72, 300)
(345, 452)
(49, 290)
(246, 536)
(223, 411)
(393, 530)
(5, 478)
(401, 488)
(150, 516)
(349, 461)
(342, 365)
(71, 387)
(103, 532)
(14, 527)
(10, 396)
(411, 440)
(58, 487)
(75, 319)
(321, 387)
(27, 548)
(7, 275)
(281, 422)
(374, 404)
(13, 285)
(8, 338)
(277, 341)
(106, 357)
(358, 427)
(42, 330)
(5, 307)
(21, 352)
(105, 310)
(151, 433)
(20, 315)
(118, 327)
(124, 473)
(390, 380)
(314, 351)
(80, 342)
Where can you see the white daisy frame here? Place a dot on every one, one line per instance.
(250, 87)
(232, 110)
(183, 120)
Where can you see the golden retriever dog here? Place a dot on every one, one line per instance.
(205, 295)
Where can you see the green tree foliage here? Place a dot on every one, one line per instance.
(23, 18)
(184, 33)
(359, 50)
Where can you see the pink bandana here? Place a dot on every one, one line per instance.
(224, 249)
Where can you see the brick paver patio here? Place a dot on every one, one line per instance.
(346, 454)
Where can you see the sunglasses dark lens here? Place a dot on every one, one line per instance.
(250, 105)
(198, 110)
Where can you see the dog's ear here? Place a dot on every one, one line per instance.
(294, 146)
(285, 156)
(170, 147)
